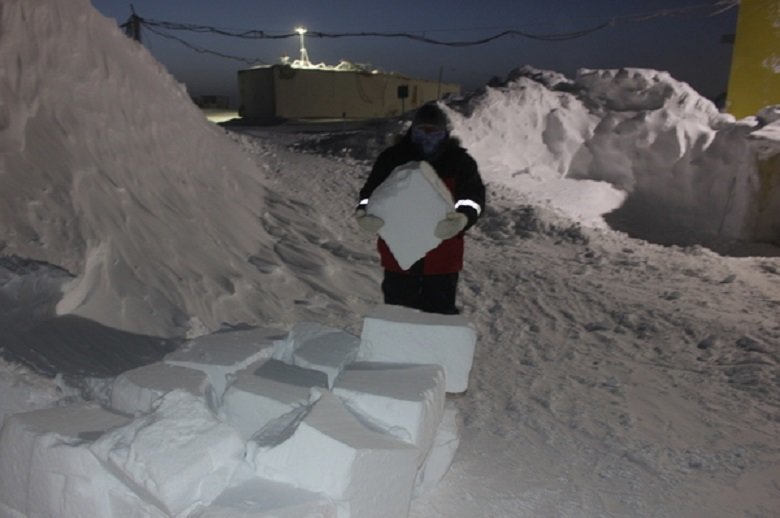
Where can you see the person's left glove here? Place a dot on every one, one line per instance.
(368, 222)
(451, 225)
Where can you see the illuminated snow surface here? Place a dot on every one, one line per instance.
(612, 377)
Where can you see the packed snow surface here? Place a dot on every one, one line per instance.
(611, 377)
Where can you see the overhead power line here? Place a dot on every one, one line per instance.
(202, 50)
(160, 27)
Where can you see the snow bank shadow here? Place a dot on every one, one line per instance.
(33, 335)
(72, 345)
(646, 218)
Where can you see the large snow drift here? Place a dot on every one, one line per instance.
(687, 172)
(99, 178)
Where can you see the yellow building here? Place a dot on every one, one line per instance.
(287, 92)
(754, 81)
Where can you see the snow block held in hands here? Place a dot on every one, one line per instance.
(222, 354)
(315, 346)
(262, 395)
(179, 457)
(405, 401)
(47, 468)
(259, 498)
(331, 452)
(136, 391)
(398, 334)
(411, 201)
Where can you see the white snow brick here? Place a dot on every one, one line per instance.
(179, 457)
(259, 498)
(441, 454)
(47, 469)
(260, 396)
(331, 452)
(319, 347)
(397, 334)
(222, 354)
(405, 401)
(136, 391)
(411, 201)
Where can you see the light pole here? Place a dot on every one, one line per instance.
(304, 55)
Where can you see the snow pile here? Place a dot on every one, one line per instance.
(380, 437)
(98, 177)
(680, 164)
(525, 136)
(767, 139)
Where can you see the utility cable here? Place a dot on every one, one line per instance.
(160, 27)
(203, 50)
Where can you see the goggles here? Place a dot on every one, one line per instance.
(429, 129)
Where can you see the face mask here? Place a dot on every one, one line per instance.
(428, 140)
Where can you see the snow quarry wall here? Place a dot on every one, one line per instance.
(675, 169)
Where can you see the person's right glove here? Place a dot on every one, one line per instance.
(368, 222)
(451, 225)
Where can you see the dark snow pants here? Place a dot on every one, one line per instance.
(430, 293)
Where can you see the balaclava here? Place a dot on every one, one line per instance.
(429, 129)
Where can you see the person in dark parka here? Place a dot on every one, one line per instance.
(430, 284)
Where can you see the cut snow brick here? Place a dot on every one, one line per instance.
(136, 390)
(179, 457)
(405, 401)
(331, 452)
(259, 498)
(403, 335)
(222, 354)
(315, 346)
(274, 389)
(411, 201)
(47, 469)
(441, 454)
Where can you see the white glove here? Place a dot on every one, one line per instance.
(451, 225)
(368, 222)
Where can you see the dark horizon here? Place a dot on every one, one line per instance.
(689, 45)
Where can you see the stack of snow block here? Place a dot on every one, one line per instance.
(272, 390)
(179, 457)
(439, 458)
(259, 498)
(48, 469)
(404, 401)
(326, 449)
(251, 423)
(318, 347)
(136, 391)
(220, 355)
(203, 366)
(396, 334)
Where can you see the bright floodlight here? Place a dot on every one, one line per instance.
(304, 55)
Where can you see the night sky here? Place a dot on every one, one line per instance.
(688, 47)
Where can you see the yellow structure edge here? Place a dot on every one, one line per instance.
(754, 80)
